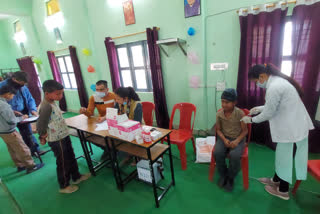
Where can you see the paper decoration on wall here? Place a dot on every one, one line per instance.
(193, 57)
(86, 51)
(128, 12)
(191, 31)
(91, 69)
(37, 61)
(93, 87)
(194, 82)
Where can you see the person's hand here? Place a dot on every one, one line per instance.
(101, 119)
(246, 119)
(256, 110)
(17, 113)
(34, 113)
(83, 110)
(25, 116)
(43, 139)
(227, 143)
(233, 144)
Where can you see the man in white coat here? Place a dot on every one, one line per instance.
(289, 124)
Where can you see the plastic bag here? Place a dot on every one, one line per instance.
(204, 149)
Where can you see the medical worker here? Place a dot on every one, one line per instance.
(289, 124)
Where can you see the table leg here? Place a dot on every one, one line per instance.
(85, 151)
(154, 185)
(113, 161)
(116, 166)
(171, 162)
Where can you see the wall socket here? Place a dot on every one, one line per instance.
(221, 86)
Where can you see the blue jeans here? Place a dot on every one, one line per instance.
(28, 138)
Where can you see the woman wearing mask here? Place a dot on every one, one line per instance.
(102, 99)
(128, 102)
(289, 124)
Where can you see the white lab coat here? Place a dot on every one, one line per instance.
(288, 118)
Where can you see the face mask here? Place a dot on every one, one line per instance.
(100, 94)
(263, 85)
(124, 103)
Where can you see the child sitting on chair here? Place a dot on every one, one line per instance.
(52, 127)
(230, 139)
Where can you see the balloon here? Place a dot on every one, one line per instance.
(194, 81)
(91, 69)
(193, 57)
(191, 31)
(86, 51)
(93, 87)
(37, 61)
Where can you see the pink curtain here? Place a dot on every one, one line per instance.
(113, 63)
(159, 94)
(83, 96)
(261, 42)
(56, 76)
(306, 61)
(26, 64)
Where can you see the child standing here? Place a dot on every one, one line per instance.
(230, 138)
(52, 128)
(19, 151)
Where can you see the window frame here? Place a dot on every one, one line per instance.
(133, 68)
(37, 72)
(67, 71)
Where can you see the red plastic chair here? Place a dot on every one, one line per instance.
(313, 169)
(244, 158)
(184, 133)
(148, 112)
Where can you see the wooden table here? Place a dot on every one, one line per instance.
(85, 128)
(151, 152)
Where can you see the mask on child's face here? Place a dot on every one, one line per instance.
(263, 85)
(100, 94)
(125, 103)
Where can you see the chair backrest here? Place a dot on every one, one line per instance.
(186, 111)
(246, 112)
(148, 112)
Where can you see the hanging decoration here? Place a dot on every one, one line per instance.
(194, 82)
(91, 69)
(193, 57)
(36, 60)
(86, 52)
(93, 87)
(191, 31)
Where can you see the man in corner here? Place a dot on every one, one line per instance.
(23, 104)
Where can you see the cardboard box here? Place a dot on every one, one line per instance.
(144, 172)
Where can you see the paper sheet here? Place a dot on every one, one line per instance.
(102, 126)
(30, 119)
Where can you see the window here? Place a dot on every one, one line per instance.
(17, 26)
(286, 65)
(36, 68)
(52, 7)
(134, 66)
(66, 71)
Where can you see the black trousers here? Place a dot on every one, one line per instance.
(67, 166)
(284, 186)
(220, 154)
(28, 137)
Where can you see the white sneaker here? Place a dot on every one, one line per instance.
(268, 181)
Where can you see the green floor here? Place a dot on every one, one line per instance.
(38, 192)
